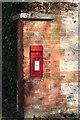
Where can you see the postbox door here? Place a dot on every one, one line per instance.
(36, 67)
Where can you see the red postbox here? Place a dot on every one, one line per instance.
(36, 61)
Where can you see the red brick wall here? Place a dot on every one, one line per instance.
(45, 33)
(58, 87)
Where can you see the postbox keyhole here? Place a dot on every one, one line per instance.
(37, 59)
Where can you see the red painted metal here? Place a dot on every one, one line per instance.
(36, 52)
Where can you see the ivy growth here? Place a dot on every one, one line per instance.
(9, 51)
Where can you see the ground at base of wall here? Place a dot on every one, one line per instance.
(59, 116)
(11, 114)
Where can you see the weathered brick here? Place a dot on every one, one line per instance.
(58, 44)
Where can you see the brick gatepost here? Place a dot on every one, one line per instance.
(40, 93)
